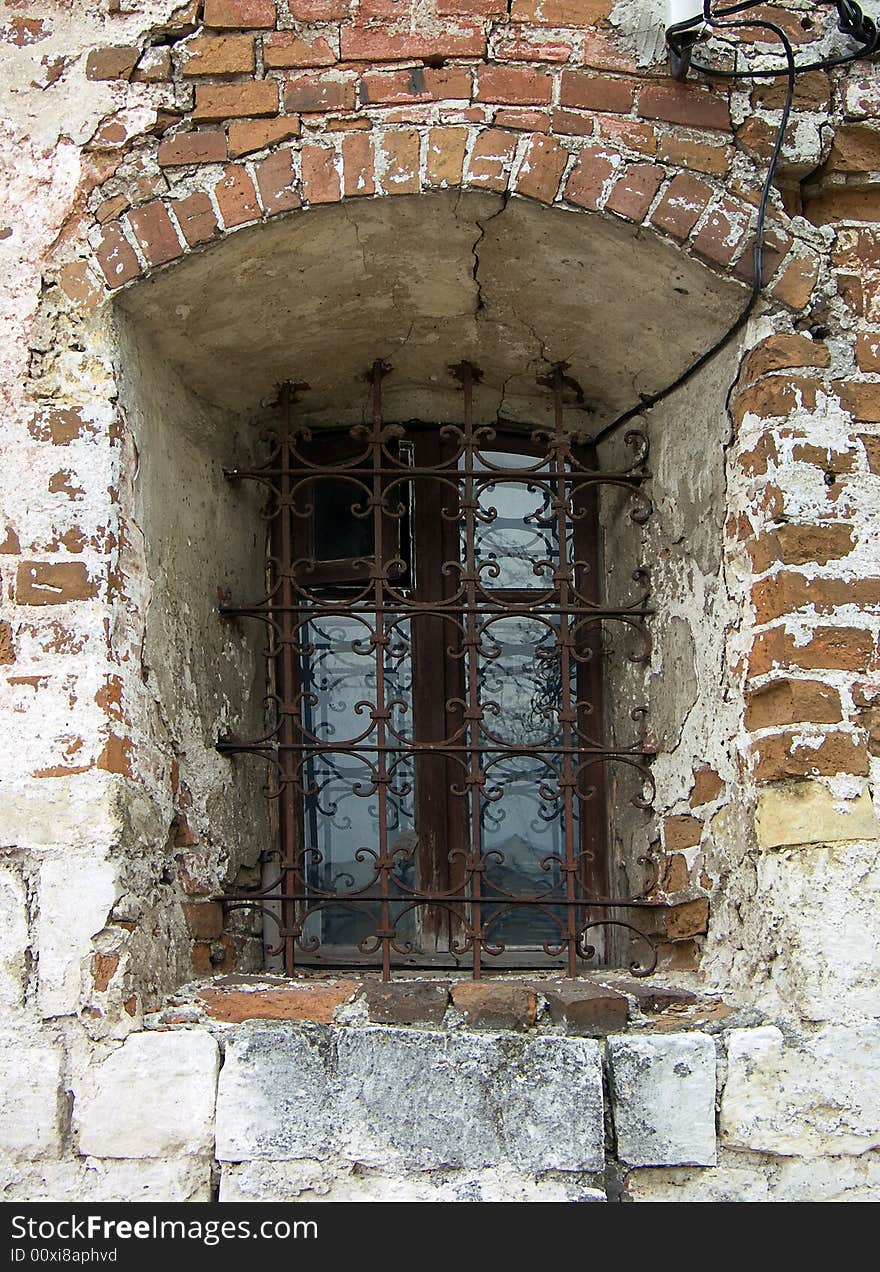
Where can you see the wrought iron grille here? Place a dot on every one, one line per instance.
(436, 748)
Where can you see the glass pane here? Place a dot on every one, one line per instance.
(341, 801)
(340, 535)
(516, 526)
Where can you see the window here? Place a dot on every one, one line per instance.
(437, 749)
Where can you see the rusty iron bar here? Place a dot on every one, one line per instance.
(459, 916)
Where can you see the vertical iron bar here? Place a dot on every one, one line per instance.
(377, 372)
(289, 803)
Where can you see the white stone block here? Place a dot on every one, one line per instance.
(420, 1098)
(311, 1181)
(714, 1183)
(803, 1097)
(809, 813)
(76, 895)
(30, 1097)
(664, 1099)
(153, 1097)
(94, 1180)
(13, 938)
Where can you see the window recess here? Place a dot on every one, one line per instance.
(437, 748)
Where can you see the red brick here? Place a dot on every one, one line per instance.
(491, 157)
(204, 919)
(319, 10)
(843, 203)
(687, 920)
(522, 118)
(790, 755)
(154, 66)
(697, 155)
(239, 13)
(684, 103)
(406, 1002)
(790, 23)
(416, 84)
(313, 1002)
(285, 48)
(205, 145)
(117, 257)
(248, 135)
(681, 831)
(584, 1009)
(400, 161)
(788, 592)
(103, 968)
(784, 350)
(197, 219)
(792, 544)
(597, 92)
(219, 55)
(472, 8)
(228, 101)
(502, 1005)
(541, 170)
(276, 181)
(357, 165)
(828, 649)
(792, 702)
(681, 206)
(868, 350)
(626, 132)
(721, 233)
(561, 13)
(594, 167)
(112, 63)
(155, 232)
(513, 85)
(519, 48)
(636, 190)
(861, 400)
(53, 583)
(445, 159)
(312, 94)
(236, 197)
(7, 648)
(602, 52)
(320, 176)
(377, 44)
(707, 787)
(776, 396)
(872, 451)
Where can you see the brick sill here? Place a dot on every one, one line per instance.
(591, 1006)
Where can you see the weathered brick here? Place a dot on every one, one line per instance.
(472, 8)
(872, 451)
(236, 197)
(196, 218)
(868, 351)
(699, 156)
(541, 170)
(862, 400)
(103, 968)
(855, 148)
(755, 461)
(795, 285)
(112, 63)
(793, 544)
(117, 257)
(219, 55)
(843, 203)
(708, 785)
(721, 233)
(310, 1002)
(682, 205)
(204, 919)
(53, 583)
(7, 647)
(779, 351)
(635, 191)
(560, 13)
(310, 94)
(832, 461)
(498, 1005)
(684, 103)
(788, 592)
(228, 101)
(789, 755)
(520, 48)
(676, 874)
(319, 10)
(154, 66)
(445, 157)
(406, 1002)
(205, 145)
(416, 84)
(112, 208)
(630, 133)
(584, 1009)
(376, 44)
(287, 48)
(276, 181)
(597, 92)
(522, 118)
(828, 649)
(320, 175)
(812, 91)
(240, 14)
(586, 183)
(681, 831)
(399, 151)
(491, 159)
(155, 232)
(249, 135)
(80, 284)
(358, 165)
(775, 396)
(513, 85)
(792, 702)
(688, 919)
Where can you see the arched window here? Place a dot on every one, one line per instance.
(438, 750)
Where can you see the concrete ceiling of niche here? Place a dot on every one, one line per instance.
(424, 281)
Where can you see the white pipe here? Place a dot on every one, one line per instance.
(682, 11)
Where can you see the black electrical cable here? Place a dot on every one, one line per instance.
(855, 18)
